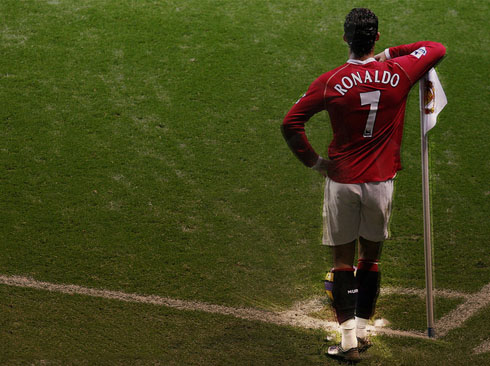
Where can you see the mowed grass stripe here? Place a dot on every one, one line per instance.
(297, 316)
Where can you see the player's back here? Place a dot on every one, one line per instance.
(363, 98)
(366, 104)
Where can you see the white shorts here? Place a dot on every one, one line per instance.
(354, 210)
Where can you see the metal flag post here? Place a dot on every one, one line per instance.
(427, 230)
(432, 101)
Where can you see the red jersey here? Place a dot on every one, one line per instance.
(366, 103)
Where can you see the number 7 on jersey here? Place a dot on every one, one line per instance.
(371, 98)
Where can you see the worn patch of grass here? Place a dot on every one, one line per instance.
(402, 312)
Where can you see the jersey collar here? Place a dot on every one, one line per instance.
(359, 62)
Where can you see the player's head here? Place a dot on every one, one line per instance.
(361, 31)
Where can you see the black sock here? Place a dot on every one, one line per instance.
(368, 280)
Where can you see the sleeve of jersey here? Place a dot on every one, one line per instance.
(293, 126)
(418, 58)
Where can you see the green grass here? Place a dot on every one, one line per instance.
(78, 330)
(100, 332)
(409, 312)
(140, 151)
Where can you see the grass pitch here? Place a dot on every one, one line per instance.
(140, 151)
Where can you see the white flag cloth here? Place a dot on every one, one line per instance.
(432, 99)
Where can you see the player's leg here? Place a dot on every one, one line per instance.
(344, 299)
(341, 225)
(343, 255)
(368, 277)
(368, 284)
(344, 292)
(344, 289)
(373, 230)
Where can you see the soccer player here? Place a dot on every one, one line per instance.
(365, 99)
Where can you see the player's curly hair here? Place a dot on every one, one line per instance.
(360, 29)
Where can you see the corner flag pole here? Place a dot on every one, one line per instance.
(427, 232)
(432, 101)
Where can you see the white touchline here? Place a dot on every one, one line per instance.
(297, 316)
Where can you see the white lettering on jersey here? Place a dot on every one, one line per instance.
(348, 81)
(419, 52)
(368, 77)
(394, 80)
(341, 90)
(357, 78)
(386, 77)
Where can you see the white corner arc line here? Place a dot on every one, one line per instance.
(463, 312)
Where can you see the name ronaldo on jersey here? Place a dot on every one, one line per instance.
(368, 78)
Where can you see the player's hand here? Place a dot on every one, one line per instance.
(322, 166)
(380, 57)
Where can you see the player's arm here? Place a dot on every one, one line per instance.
(415, 58)
(293, 126)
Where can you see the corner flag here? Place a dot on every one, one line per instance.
(432, 101)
